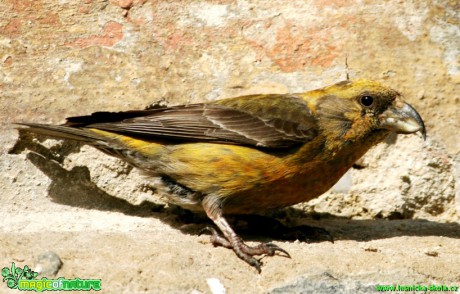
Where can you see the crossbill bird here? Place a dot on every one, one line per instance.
(248, 154)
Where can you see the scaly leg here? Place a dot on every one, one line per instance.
(232, 240)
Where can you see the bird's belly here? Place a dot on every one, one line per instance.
(247, 180)
(301, 187)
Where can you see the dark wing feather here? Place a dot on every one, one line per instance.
(243, 120)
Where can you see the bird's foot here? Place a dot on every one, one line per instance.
(244, 251)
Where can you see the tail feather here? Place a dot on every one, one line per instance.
(63, 132)
(126, 148)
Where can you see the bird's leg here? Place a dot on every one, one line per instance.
(232, 240)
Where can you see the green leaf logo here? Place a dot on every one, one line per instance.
(13, 275)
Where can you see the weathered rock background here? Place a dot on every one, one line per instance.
(67, 57)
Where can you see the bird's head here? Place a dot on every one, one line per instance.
(354, 110)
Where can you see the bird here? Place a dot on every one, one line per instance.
(247, 154)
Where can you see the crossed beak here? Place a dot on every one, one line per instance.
(402, 118)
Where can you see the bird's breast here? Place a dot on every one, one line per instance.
(309, 172)
(310, 181)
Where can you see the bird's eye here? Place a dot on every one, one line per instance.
(367, 101)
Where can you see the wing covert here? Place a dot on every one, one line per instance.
(270, 121)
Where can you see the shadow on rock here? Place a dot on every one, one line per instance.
(74, 187)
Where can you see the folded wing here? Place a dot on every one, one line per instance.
(269, 121)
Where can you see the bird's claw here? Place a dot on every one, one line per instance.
(270, 249)
(216, 238)
(207, 229)
(244, 251)
(247, 253)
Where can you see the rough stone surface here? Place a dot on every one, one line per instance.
(396, 221)
(47, 264)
